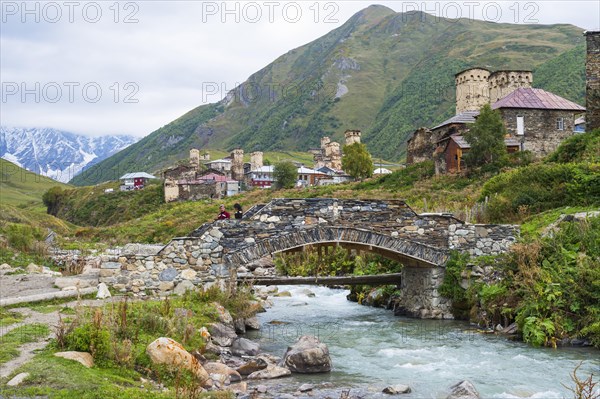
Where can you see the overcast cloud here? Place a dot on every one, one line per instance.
(110, 67)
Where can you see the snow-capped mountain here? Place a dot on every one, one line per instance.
(57, 154)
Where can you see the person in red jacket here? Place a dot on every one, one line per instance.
(223, 214)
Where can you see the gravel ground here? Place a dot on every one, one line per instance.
(26, 284)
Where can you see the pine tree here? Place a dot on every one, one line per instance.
(486, 138)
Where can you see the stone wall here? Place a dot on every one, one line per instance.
(541, 134)
(184, 262)
(592, 73)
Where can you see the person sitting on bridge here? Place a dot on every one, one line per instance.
(223, 214)
(238, 211)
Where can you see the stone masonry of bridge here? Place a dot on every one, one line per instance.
(217, 252)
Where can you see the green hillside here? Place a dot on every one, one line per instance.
(23, 218)
(383, 72)
(22, 187)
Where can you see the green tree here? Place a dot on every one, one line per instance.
(486, 138)
(357, 161)
(285, 175)
(52, 199)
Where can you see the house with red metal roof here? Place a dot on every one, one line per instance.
(540, 120)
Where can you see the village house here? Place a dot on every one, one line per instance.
(536, 120)
(540, 120)
(135, 181)
(261, 177)
(308, 177)
(193, 182)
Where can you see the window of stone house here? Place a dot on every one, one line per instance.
(560, 124)
(520, 125)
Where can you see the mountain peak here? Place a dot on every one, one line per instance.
(374, 13)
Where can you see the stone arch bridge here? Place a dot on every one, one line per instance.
(224, 250)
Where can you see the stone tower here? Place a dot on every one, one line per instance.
(472, 89)
(352, 136)
(195, 158)
(592, 79)
(502, 83)
(237, 164)
(324, 142)
(205, 156)
(256, 160)
(333, 156)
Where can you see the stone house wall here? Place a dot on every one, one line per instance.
(541, 134)
(420, 146)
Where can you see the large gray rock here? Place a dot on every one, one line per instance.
(221, 334)
(396, 389)
(223, 314)
(463, 390)
(252, 323)
(307, 355)
(244, 347)
(240, 326)
(269, 373)
(33, 268)
(103, 291)
(252, 366)
(185, 285)
(221, 372)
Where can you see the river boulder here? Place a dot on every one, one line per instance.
(252, 366)
(244, 347)
(463, 390)
(221, 334)
(396, 389)
(170, 353)
(222, 373)
(223, 314)
(307, 355)
(269, 373)
(252, 323)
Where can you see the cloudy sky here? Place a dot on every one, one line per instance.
(130, 67)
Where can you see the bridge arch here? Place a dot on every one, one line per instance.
(410, 253)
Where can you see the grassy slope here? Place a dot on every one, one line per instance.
(404, 80)
(19, 186)
(21, 198)
(559, 75)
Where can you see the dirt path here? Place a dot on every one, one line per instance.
(27, 351)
